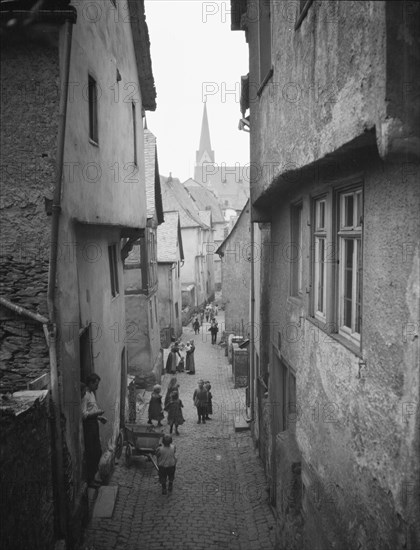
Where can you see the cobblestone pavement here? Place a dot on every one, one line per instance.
(219, 499)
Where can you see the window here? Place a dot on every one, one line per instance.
(152, 260)
(113, 268)
(286, 410)
(337, 278)
(133, 112)
(264, 30)
(176, 310)
(295, 251)
(156, 313)
(320, 260)
(350, 263)
(93, 109)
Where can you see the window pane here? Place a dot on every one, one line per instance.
(348, 210)
(320, 269)
(321, 215)
(295, 251)
(348, 281)
(358, 209)
(358, 320)
(93, 109)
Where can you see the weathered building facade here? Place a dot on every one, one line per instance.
(197, 273)
(205, 199)
(234, 253)
(91, 145)
(170, 256)
(145, 358)
(334, 120)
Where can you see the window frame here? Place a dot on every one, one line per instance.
(350, 233)
(320, 233)
(335, 234)
(133, 114)
(93, 107)
(296, 267)
(113, 270)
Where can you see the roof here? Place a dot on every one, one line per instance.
(245, 209)
(205, 199)
(205, 216)
(168, 236)
(18, 14)
(238, 9)
(176, 197)
(229, 183)
(153, 191)
(142, 51)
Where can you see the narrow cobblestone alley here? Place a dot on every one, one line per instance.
(219, 499)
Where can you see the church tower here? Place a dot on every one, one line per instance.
(205, 154)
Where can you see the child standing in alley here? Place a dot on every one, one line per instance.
(200, 402)
(155, 406)
(166, 460)
(174, 410)
(209, 408)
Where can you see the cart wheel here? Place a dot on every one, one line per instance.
(119, 445)
(128, 454)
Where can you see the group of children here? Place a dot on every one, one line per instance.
(166, 452)
(172, 405)
(202, 398)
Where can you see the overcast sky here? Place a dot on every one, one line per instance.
(195, 56)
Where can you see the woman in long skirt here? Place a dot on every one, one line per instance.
(173, 359)
(190, 364)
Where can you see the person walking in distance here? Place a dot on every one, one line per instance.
(196, 326)
(200, 402)
(214, 329)
(190, 361)
(166, 459)
(91, 414)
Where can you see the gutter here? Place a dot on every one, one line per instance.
(252, 335)
(62, 512)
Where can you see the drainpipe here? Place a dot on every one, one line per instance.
(52, 325)
(171, 298)
(252, 341)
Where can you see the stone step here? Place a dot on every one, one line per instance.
(240, 424)
(105, 502)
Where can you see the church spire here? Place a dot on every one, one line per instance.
(205, 152)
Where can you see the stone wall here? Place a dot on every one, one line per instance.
(356, 432)
(23, 348)
(27, 499)
(29, 107)
(236, 276)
